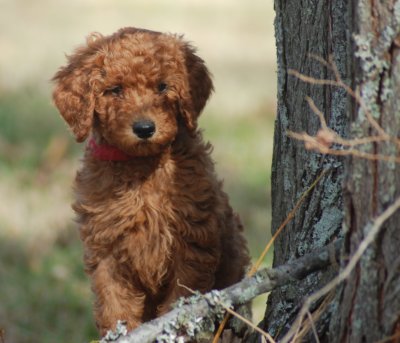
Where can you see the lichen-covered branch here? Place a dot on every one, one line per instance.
(196, 314)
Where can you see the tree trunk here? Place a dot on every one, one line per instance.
(370, 300)
(303, 28)
(363, 38)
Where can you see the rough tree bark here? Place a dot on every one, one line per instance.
(364, 39)
(369, 303)
(302, 28)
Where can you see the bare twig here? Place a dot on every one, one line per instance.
(355, 94)
(339, 83)
(200, 308)
(316, 143)
(320, 60)
(289, 217)
(221, 328)
(317, 111)
(325, 137)
(311, 320)
(313, 317)
(338, 139)
(249, 323)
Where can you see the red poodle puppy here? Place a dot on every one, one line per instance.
(150, 207)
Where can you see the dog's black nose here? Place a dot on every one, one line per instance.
(144, 128)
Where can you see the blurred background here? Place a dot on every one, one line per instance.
(44, 293)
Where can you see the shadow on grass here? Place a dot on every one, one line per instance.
(44, 297)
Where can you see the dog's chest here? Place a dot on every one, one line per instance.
(137, 224)
(146, 224)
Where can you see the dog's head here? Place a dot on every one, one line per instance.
(136, 88)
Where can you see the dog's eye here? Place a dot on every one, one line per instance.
(114, 90)
(162, 87)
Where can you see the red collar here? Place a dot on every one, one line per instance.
(106, 152)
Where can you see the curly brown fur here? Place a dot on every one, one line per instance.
(160, 216)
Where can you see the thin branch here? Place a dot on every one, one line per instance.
(338, 139)
(315, 143)
(360, 141)
(318, 112)
(314, 329)
(339, 83)
(326, 137)
(373, 230)
(335, 69)
(313, 317)
(221, 328)
(249, 323)
(289, 217)
(319, 59)
(313, 80)
(196, 310)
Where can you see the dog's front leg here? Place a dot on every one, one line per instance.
(189, 276)
(116, 299)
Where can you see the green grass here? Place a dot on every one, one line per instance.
(46, 297)
(28, 124)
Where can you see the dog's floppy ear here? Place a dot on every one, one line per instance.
(74, 92)
(200, 87)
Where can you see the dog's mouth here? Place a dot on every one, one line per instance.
(147, 148)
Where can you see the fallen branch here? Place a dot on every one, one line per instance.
(198, 313)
